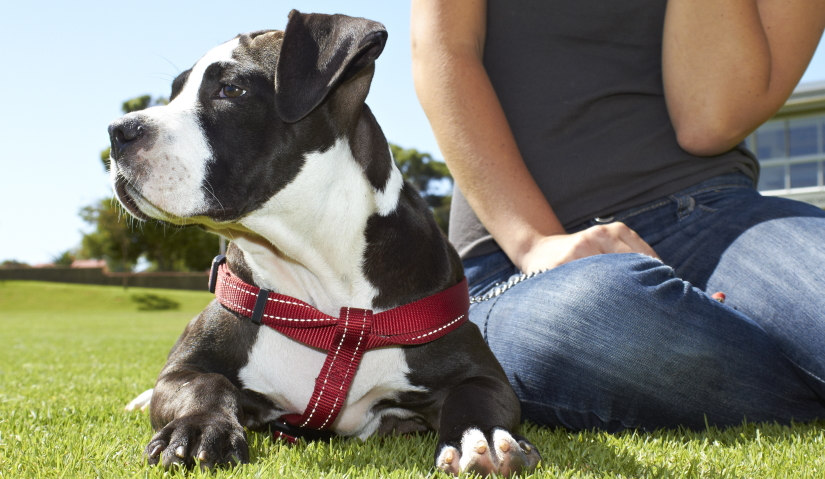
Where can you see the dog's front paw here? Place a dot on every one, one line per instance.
(211, 439)
(497, 452)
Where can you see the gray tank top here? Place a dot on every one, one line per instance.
(580, 82)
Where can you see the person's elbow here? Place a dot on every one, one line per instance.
(710, 133)
(706, 140)
(714, 125)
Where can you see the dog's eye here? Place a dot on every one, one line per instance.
(231, 91)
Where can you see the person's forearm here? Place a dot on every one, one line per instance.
(476, 141)
(728, 66)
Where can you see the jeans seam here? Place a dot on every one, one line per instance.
(494, 302)
(487, 321)
(800, 367)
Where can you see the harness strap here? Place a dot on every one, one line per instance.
(346, 338)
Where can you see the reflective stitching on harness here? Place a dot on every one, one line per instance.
(224, 281)
(439, 329)
(329, 370)
(235, 305)
(290, 302)
(341, 388)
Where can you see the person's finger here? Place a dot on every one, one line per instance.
(634, 241)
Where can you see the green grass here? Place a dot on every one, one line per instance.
(72, 356)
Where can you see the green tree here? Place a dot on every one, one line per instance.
(431, 177)
(112, 238)
(65, 258)
(121, 241)
(176, 248)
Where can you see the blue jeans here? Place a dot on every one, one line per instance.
(624, 341)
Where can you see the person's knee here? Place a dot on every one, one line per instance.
(615, 277)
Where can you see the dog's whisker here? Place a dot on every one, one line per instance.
(211, 191)
(163, 76)
(170, 62)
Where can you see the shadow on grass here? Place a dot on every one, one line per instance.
(154, 302)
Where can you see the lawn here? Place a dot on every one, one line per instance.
(72, 356)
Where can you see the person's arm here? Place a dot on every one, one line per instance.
(729, 65)
(478, 145)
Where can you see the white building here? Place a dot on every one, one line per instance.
(791, 147)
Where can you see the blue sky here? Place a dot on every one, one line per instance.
(68, 66)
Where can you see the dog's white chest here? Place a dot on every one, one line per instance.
(284, 370)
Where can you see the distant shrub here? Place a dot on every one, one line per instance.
(153, 302)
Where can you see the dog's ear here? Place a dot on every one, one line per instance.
(317, 53)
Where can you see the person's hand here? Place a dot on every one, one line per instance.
(551, 251)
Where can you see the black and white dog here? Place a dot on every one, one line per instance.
(267, 141)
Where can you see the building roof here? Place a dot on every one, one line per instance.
(806, 97)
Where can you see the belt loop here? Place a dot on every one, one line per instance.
(685, 205)
(260, 305)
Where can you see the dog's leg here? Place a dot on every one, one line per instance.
(197, 416)
(474, 431)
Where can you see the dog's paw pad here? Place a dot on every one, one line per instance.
(447, 460)
(514, 456)
(476, 455)
(484, 454)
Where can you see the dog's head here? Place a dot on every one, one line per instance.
(242, 120)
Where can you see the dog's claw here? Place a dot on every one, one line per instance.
(526, 446)
(206, 441)
(481, 447)
(155, 452)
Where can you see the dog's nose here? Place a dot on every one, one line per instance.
(124, 132)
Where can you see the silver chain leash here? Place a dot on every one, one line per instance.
(500, 288)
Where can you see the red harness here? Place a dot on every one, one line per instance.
(346, 337)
